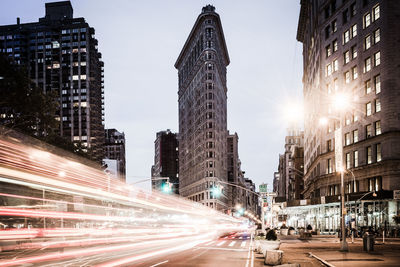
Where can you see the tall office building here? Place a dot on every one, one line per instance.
(351, 47)
(202, 111)
(60, 54)
(165, 162)
(114, 153)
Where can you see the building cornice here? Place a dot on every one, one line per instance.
(197, 24)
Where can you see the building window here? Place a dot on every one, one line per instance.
(368, 88)
(367, 65)
(348, 161)
(354, 72)
(347, 139)
(334, 25)
(376, 12)
(367, 20)
(369, 155)
(335, 84)
(346, 37)
(335, 65)
(355, 117)
(346, 57)
(335, 45)
(377, 81)
(368, 109)
(328, 50)
(377, 58)
(367, 42)
(355, 136)
(329, 166)
(347, 76)
(354, 31)
(345, 15)
(378, 148)
(377, 35)
(329, 145)
(327, 31)
(378, 129)
(354, 52)
(353, 10)
(328, 70)
(368, 130)
(348, 120)
(375, 184)
(377, 105)
(355, 159)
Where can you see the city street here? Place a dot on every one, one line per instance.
(232, 250)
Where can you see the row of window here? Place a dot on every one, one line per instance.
(352, 74)
(352, 158)
(352, 137)
(374, 184)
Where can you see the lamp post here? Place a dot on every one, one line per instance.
(341, 102)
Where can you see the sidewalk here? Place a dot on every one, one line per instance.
(327, 248)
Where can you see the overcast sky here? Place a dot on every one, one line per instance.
(140, 42)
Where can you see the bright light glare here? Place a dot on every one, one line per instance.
(293, 112)
(341, 101)
(323, 121)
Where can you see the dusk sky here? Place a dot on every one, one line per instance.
(140, 42)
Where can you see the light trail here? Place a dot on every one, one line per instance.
(50, 202)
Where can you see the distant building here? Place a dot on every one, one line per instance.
(114, 150)
(288, 181)
(60, 53)
(166, 162)
(202, 105)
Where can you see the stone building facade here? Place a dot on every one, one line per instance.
(351, 47)
(202, 99)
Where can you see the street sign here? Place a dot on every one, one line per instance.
(263, 188)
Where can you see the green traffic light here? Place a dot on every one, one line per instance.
(166, 188)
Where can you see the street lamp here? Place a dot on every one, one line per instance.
(340, 102)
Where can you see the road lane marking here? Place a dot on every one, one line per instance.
(243, 244)
(232, 243)
(209, 243)
(220, 243)
(227, 249)
(159, 263)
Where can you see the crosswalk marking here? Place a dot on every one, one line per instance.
(232, 243)
(220, 243)
(243, 244)
(209, 243)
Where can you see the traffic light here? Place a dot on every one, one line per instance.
(216, 191)
(166, 187)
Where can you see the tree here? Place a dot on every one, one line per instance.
(23, 106)
(26, 108)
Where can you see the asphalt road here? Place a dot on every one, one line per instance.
(232, 250)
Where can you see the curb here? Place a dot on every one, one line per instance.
(321, 260)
